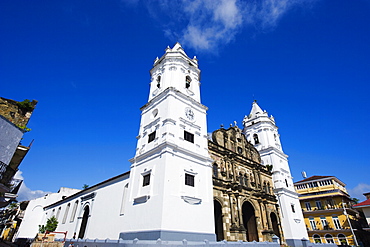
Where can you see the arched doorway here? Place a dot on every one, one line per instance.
(275, 224)
(85, 217)
(249, 220)
(218, 221)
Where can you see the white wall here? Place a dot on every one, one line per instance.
(35, 215)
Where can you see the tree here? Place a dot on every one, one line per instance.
(355, 200)
(51, 225)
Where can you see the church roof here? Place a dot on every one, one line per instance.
(256, 109)
(365, 203)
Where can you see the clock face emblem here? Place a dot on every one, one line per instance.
(189, 113)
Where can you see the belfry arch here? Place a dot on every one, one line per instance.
(249, 221)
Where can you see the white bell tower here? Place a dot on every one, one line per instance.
(170, 189)
(261, 131)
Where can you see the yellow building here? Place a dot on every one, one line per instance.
(327, 210)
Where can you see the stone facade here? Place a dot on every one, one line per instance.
(245, 206)
(14, 112)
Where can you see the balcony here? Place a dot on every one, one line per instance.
(331, 209)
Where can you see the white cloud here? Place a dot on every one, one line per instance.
(25, 193)
(359, 190)
(207, 24)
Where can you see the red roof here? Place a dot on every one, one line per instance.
(362, 204)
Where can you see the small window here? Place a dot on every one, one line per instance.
(146, 179)
(256, 140)
(151, 137)
(286, 183)
(188, 80)
(308, 206)
(158, 81)
(189, 137)
(215, 170)
(189, 179)
(293, 210)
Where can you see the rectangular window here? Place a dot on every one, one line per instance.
(318, 205)
(324, 223)
(312, 223)
(151, 137)
(293, 210)
(189, 180)
(330, 203)
(336, 222)
(146, 179)
(308, 206)
(188, 136)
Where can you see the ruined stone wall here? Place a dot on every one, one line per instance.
(13, 112)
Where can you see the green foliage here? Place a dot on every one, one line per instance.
(355, 200)
(13, 205)
(26, 105)
(85, 186)
(51, 225)
(24, 128)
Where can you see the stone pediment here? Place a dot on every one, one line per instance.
(234, 140)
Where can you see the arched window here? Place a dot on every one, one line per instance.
(66, 213)
(188, 80)
(342, 239)
(256, 140)
(329, 239)
(241, 178)
(264, 187)
(124, 196)
(74, 211)
(58, 213)
(159, 81)
(268, 188)
(316, 238)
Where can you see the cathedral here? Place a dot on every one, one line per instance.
(185, 183)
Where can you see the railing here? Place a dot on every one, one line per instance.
(14, 183)
(2, 169)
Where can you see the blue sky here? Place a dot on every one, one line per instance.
(87, 62)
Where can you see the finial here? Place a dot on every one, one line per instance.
(222, 126)
(235, 124)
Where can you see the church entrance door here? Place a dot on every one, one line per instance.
(249, 220)
(275, 226)
(218, 221)
(85, 217)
